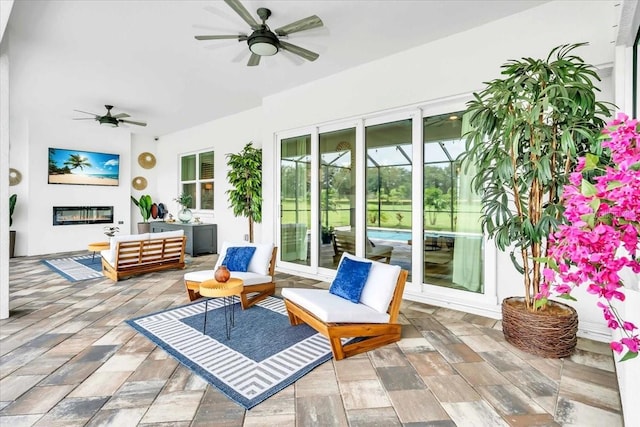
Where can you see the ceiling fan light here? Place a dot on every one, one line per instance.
(263, 42)
(108, 121)
(263, 48)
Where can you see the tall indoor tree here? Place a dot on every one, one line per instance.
(528, 130)
(245, 176)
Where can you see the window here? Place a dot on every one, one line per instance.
(196, 178)
(636, 73)
(337, 192)
(295, 199)
(453, 240)
(391, 188)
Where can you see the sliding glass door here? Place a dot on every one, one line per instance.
(453, 241)
(295, 199)
(337, 192)
(388, 190)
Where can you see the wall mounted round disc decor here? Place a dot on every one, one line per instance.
(147, 160)
(14, 176)
(139, 183)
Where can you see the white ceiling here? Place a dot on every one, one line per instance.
(141, 56)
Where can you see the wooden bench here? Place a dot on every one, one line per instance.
(129, 255)
(337, 318)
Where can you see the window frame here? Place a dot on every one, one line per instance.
(196, 203)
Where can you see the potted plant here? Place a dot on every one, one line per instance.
(245, 177)
(600, 239)
(12, 233)
(144, 204)
(527, 131)
(327, 232)
(185, 214)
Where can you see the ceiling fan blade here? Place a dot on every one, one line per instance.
(131, 122)
(239, 37)
(86, 112)
(254, 60)
(244, 13)
(306, 54)
(303, 24)
(121, 116)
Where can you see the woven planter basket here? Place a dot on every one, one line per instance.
(548, 333)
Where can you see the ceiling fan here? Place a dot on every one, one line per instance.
(265, 42)
(108, 119)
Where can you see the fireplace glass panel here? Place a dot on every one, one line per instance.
(70, 215)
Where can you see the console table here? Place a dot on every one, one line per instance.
(201, 238)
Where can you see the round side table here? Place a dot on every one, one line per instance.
(227, 290)
(97, 247)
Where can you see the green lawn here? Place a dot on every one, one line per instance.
(339, 216)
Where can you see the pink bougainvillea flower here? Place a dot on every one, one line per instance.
(616, 346)
(598, 225)
(631, 343)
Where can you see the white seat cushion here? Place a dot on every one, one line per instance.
(259, 261)
(248, 278)
(380, 285)
(331, 308)
(108, 256)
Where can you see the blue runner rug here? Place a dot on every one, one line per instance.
(76, 268)
(264, 354)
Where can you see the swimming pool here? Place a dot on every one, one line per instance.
(394, 235)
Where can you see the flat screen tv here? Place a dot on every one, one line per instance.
(77, 167)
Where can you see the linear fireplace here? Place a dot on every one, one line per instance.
(69, 215)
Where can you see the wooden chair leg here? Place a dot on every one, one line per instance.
(336, 348)
(249, 297)
(192, 294)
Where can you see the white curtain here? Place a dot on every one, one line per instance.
(467, 255)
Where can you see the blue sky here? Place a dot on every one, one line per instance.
(101, 163)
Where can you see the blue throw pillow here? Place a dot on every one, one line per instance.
(350, 279)
(238, 258)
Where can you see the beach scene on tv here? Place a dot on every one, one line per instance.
(83, 167)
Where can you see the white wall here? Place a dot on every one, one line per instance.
(33, 218)
(227, 135)
(142, 144)
(4, 171)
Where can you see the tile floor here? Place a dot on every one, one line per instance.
(68, 359)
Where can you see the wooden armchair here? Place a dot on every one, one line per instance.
(339, 319)
(345, 241)
(258, 279)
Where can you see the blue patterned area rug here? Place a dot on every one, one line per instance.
(76, 268)
(264, 354)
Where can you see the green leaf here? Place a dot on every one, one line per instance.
(591, 162)
(540, 303)
(567, 297)
(629, 355)
(590, 219)
(588, 189)
(614, 184)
